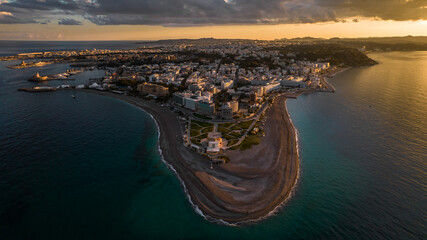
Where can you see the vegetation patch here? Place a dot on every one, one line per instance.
(223, 129)
(249, 141)
(202, 124)
(228, 137)
(195, 140)
(235, 127)
(236, 134)
(225, 125)
(207, 129)
(202, 136)
(202, 116)
(195, 126)
(194, 132)
(244, 125)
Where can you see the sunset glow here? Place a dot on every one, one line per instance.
(144, 20)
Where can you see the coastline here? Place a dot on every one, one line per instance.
(331, 74)
(336, 71)
(234, 193)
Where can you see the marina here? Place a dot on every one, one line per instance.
(24, 64)
(60, 76)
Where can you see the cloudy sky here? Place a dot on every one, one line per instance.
(257, 19)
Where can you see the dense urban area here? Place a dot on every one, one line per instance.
(219, 88)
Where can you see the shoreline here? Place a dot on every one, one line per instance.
(331, 74)
(221, 194)
(336, 71)
(296, 182)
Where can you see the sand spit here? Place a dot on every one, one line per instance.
(251, 186)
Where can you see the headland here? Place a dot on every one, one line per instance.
(251, 186)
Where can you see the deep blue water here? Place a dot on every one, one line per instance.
(88, 168)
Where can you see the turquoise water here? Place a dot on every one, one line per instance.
(89, 168)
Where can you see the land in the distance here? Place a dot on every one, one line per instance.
(220, 108)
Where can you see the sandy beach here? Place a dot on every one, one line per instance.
(251, 186)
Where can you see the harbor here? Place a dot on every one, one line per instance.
(60, 76)
(24, 64)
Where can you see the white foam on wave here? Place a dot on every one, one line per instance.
(293, 190)
(197, 209)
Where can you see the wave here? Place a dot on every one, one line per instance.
(216, 220)
(195, 207)
(293, 190)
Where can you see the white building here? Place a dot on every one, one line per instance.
(272, 87)
(191, 103)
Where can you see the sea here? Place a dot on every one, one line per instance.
(89, 167)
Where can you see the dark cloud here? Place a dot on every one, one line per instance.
(10, 15)
(213, 12)
(207, 12)
(69, 21)
(398, 10)
(45, 21)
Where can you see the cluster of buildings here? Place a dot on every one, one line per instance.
(204, 105)
(210, 81)
(215, 80)
(211, 86)
(153, 89)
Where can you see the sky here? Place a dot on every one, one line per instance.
(246, 19)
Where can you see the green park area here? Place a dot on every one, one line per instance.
(199, 130)
(231, 132)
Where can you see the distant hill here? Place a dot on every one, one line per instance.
(305, 39)
(337, 51)
(408, 43)
(389, 40)
(201, 41)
